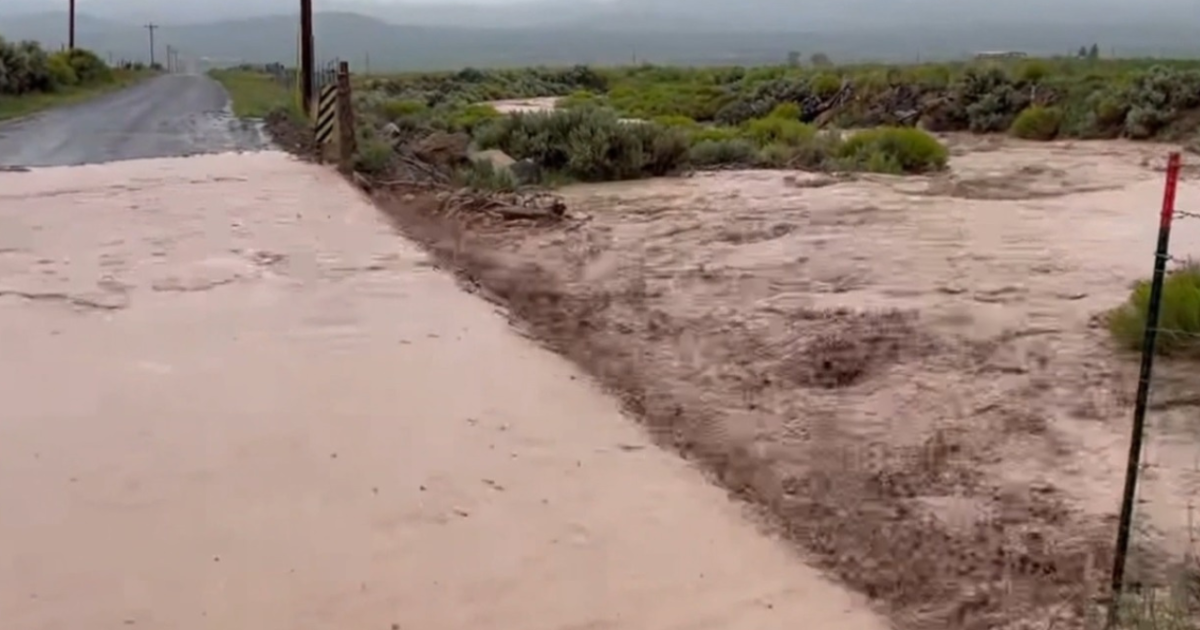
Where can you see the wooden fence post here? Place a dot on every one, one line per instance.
(345, 111)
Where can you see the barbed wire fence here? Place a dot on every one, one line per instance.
(1155, 579)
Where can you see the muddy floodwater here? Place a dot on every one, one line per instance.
(234, 398)
(911, 373)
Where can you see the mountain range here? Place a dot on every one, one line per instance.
(390, 36)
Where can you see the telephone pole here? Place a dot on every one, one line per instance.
(151, 27)
(71, 28)
(306, 54)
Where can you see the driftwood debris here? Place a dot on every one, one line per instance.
(537, 206)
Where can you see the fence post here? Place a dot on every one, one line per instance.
(346, 133)
(1149, 340)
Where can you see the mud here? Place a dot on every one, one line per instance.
(232, 398)
(907, 373)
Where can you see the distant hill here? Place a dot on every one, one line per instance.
(600, 40)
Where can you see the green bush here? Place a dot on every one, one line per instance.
(714, 134)
(483, 175)
(26, 68)
(402, 108)
(779, 130)
(1033, 71)
(1179, 318)
(374, 156)
(89, 68)
(769, 105)
(893, 150)
(61, 71)
(675, 120)
(472, 117)
(825, 84)
(776, 155)
(1037, 123)
(588, 144)
(580, 98)
(737, 152)
(786, 111)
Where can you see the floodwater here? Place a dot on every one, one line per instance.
(525, 105)
(233, 398)
(928, 351)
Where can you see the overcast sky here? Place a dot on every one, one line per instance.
(792, 15)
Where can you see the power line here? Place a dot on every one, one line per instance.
(151, 27)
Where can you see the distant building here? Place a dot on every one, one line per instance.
(1000, 54)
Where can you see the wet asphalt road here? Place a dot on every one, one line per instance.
(167, 116)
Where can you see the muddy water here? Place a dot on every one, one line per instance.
(524, 105)
(1008, 259)
(234, 399)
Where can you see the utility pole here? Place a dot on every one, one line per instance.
(151, 27)
(71, 28)
(306, 54)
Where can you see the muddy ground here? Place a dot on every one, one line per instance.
(907, 374)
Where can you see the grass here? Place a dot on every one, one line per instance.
(257, 94)
(19, 106)
(1179, 319)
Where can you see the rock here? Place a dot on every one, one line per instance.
(443, 149)
(497, 158)
(392, 132)
(526, 171)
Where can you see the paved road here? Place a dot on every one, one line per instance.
(231, 397)
(168, 116)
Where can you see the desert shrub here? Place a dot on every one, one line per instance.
(714, 134)
(675, 120)
(61, 72)
(393, 110)
(1033, 71)
(825, 84)
(588, 144)
(989, 99)
(88, 67)
(26, 68)
(1107, 110)
(471, 117)
(776, 155)
(1157, 97)
(1100, 98)
(786, 111)
(1037, 123)
(651, 100)
(893, 150)
(779, 130)
(580, 98)
(759, 101)
(708, 153)
(374, 155)
(1179, 319)
(486, 176)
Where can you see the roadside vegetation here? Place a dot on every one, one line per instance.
(786, 116)
(1179, 318)
(258, 94)
(32, 79)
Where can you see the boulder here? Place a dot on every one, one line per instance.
(443, 149)
(497, 158)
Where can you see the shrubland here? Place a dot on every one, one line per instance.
(25, 68)
(786, 116)
(32, 78)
